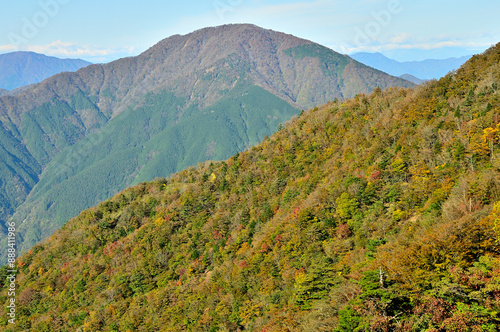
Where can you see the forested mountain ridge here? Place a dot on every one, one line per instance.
(78, 138)
(376, 213)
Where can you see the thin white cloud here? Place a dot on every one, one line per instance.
(400, 38)
(70, 49)
(8, 48)
(411, 46)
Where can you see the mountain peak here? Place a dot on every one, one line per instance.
(220, 41)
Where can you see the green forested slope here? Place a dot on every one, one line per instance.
(143, 144)
(379, 213)
(19, 174)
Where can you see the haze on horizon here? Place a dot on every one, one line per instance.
(105, 31)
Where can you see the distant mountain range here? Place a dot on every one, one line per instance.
(423, 70)
(18, 69)
(412, 79)
(77, 138)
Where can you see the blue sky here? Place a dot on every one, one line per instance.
(105, 30)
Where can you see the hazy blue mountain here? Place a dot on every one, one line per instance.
(18, 69)
(424, 70)
(412, 78)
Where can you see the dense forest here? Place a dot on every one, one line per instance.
(377, 213)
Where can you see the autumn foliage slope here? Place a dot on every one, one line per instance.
(379, 213)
